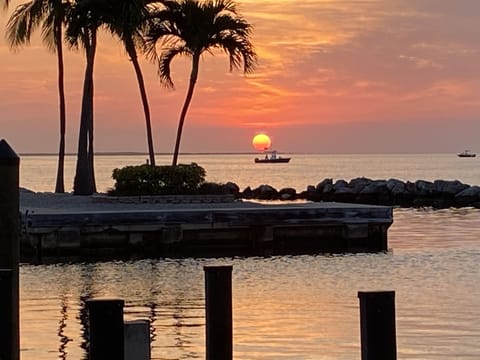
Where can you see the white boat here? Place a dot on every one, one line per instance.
(272, 157)
(466, 153)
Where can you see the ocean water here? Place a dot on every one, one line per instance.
(285, 307)
(38, 173)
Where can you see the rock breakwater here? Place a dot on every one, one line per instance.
(392, 192)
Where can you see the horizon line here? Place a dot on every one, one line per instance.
(130, 153)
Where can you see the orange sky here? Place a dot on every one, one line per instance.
(345, 76)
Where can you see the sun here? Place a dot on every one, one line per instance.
(261, 142)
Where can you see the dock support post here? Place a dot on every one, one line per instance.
(137, 340)
(377, 325)
(106, 329)
(218, 312)
(9, 253)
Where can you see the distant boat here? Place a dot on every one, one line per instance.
(272, 157)
(467, 153)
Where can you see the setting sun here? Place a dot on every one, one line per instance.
(261, 142)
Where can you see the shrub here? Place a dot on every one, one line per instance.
(210, 188)
(158, 180)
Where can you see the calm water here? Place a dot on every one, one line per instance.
(289, 307)
(38, 172)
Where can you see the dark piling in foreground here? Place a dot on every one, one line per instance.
(377, 325)
(106, 329)
(9, 253)
(218, 312)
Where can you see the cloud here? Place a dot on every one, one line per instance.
(422, 63)
(320, 62)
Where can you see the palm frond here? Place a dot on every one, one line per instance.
(24, 20)
(84, 18)
(221, 6)
(190, 27)
(48, 31)
(159, 28)
(225, 23)
(164, 62)
(29, 16)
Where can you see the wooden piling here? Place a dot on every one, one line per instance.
(218, 312)
(137, 340)
(377, 325)
(9, 252)
(106, 329)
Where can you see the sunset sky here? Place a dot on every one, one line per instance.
(345, 76)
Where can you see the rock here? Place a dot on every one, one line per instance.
(468, 197)
(411, 187)
(396, 187)
(310, 194)
(341, 192)
(375, 192)
(247, 193)
(438, 194)
(375, 187)
(344, 190)
(328, 188)
(449, 187)
(419, 202)
(424, 188)
(471, 191)
(400, 193)
(325, 186)
(339, 184)
(358, 184)
(287, 194)
(232, 188)
(395, 184)
(344, 194)
(266, 192)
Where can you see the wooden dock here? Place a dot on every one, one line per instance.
(210, 231)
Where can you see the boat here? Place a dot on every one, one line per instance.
(467, 153)
(272, 157)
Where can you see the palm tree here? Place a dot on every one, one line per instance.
(50, 14)
(83, 23)
(125, 19)
(190, 27)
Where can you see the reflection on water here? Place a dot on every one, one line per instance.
(64, 340)
(289, 307)
(425, 230)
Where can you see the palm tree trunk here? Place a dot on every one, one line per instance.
(84, 182)
(91, 154)
(81, 181)
(143, 93)
(60, 183)
(188, 99)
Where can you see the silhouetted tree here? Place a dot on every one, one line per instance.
(189, 27)
(51, 16)
(83, 23)
(126, 19)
